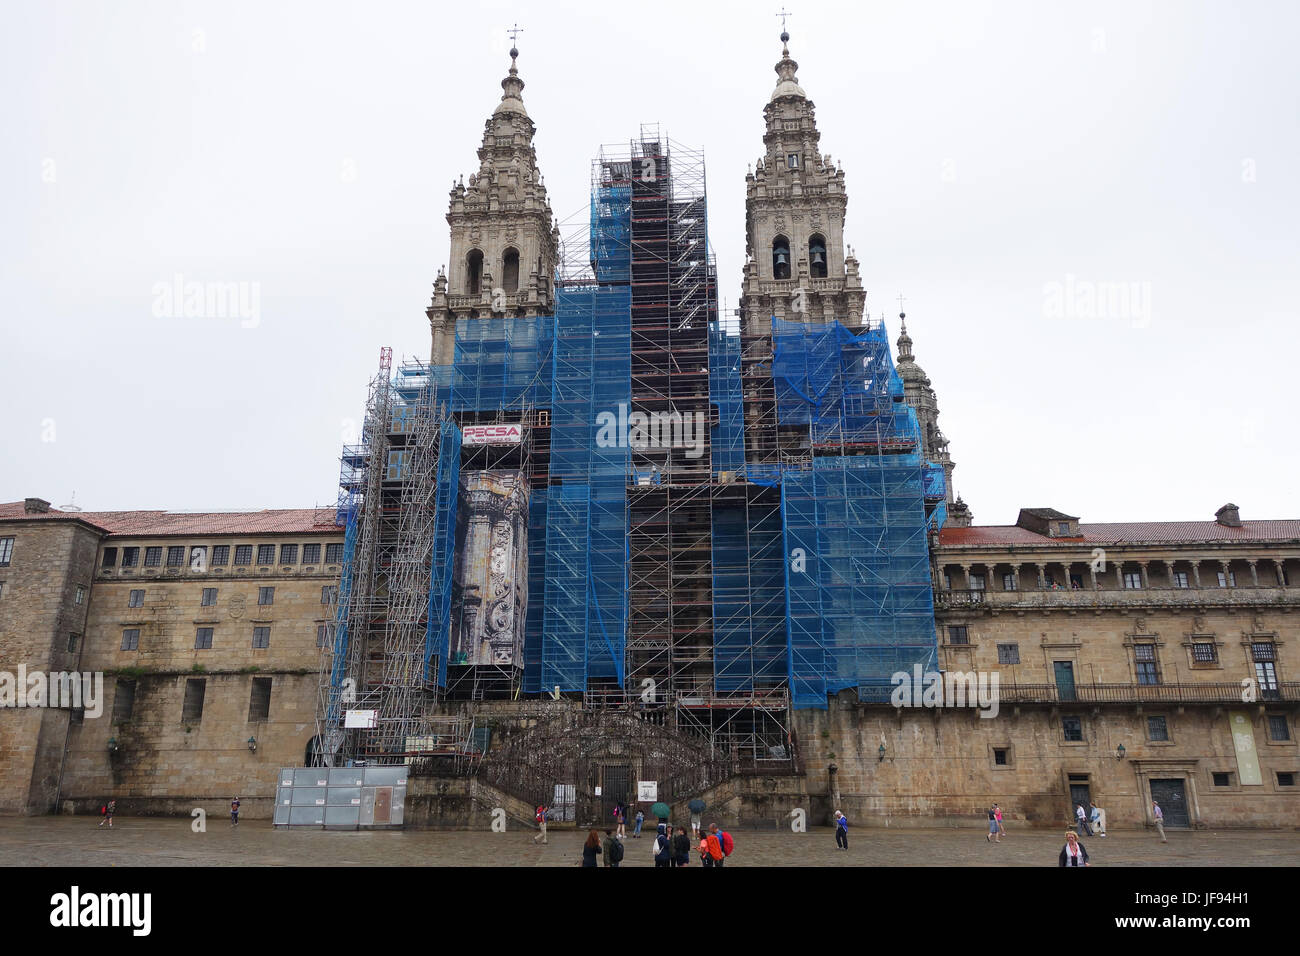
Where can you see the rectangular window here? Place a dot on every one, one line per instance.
(1144, 655)
(1133, 580)
(1072, 727)
(72, 643)
(135, 598)
(6, 550)
(131, 639)
(1263, 651)
(266, 554)
(311, 554)
(1222, 779)
(192, 709)
(220, 555)
(1157, 728)
(123, 700)
(329, 593)
(1277, 728)
(1228, 580)
(81, 596)
(203, 639)
(977, 582)
(130, 557)
(333, 554)
(1285, 779)
(1062, 527)
(1008, 582)
(176, 556)
(396, 465)
(259, 702)
(110, 558)
(792, 160)
(265, 596)
(1008, 653)
(261, 637)
(958, 635)
(1180, 579)
(322, 634)
(999, 756)
(1204, 652)
(152, 557)
(288, 554)
(243, 554)
(209, 597)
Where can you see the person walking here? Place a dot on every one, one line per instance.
(1073, 853)
(107, 811)
(714, 846)
(841, 831)
(663, 846)
(997, 815)
(993, 826)
(540, 818)
(611, 849)
(1082, 816)
(640, 819)
(234, 812)
(705, 858)
(1099, 820)
(1160, 820)
(591, 849)
(620, 818)
(695, 825)
(681, 848)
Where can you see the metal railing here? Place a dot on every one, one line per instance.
(1207, 693)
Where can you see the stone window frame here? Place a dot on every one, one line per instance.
(133, 641)
(266, 551)
(1144, 637)
(1015, 647)
(6, 550)
(1010, 749)
(311, 553)
(1083, 730)
(1234, 780)
(261, 627)
(1268, 734)
(1251, 637)
(199, 644)
(1193, 637)
(334, 548)
(1169, 733)
(1283, 788)
(949, 640)
(203, 597)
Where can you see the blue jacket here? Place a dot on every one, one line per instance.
(842, 822)
(663, 851)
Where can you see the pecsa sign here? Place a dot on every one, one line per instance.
(491, 434)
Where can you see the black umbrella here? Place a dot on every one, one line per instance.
(697, 805)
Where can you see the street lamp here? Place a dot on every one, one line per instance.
(881, 751)
(1119, 752)
(252, 745)
(112, 745)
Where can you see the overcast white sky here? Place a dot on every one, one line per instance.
(991, 150)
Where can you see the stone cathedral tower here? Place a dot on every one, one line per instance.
(796, 267)
(504, 239)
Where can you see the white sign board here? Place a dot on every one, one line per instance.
(367, 719)
(647, 791)
(598, 791)
(491, 434)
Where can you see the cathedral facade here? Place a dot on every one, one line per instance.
(1070, 663)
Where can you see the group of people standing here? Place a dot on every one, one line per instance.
(672, 845)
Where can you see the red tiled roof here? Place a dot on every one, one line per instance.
(159, 523)
(1125, 532)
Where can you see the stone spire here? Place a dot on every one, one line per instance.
(504, 239)
(795, 201)
(918, 393)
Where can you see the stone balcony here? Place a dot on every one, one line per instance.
(1114, 598)
(1199, 693)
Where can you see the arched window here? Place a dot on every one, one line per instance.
(312, 757)
(474, 272)
(817, 257)
(781, 258)
(510, 271)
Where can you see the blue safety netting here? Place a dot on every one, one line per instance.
(443, 558)
(749, 632)
(611, 231)
(727, 437)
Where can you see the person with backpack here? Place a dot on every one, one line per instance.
(662, 846)
(713, 848)
(725, 844)
(841, 831)
(106, 811)
(540, 819)
(612, 849)
(705, 858)
(681, 848)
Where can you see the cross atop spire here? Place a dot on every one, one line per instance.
(514, 32)
(785, 37)
(901, 314)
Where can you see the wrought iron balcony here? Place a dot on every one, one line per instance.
(1207, 693)
(1115, 597)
